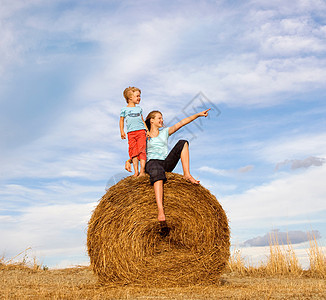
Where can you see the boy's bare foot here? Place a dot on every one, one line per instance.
(191, 179)
(136, 174)
(142, 174)
(128, 166)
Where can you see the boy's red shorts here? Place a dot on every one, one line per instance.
(137, 144)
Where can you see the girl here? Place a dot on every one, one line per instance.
(159, 160)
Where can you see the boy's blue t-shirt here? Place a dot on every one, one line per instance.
(133, 118)
(157, 147)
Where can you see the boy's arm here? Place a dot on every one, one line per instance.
(187, 120)
(128, 165)
(121, 124)
(147, 131)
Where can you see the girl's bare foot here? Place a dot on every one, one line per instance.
(161, 217)
(191, 179)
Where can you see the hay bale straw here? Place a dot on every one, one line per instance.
(124, 244)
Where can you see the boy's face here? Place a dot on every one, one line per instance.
(135, 97)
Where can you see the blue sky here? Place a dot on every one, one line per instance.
(65, 64)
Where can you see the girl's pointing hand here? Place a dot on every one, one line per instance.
(204, 113)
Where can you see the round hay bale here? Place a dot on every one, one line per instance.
(124, 244)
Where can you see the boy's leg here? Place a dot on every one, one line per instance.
(133, 150)
(142, 167)
(141, 143)
(135, 164)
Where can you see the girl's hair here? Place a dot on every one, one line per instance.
(150, 116)
(128, 92)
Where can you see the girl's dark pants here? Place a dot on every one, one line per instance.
(156, 168)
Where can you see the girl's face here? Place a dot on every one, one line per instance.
(158, 120)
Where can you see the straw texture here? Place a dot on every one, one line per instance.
(124, 244)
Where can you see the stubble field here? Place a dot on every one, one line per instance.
(281, 277)
(21, 282)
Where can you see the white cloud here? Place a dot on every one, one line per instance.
(285, 45)
(83, 144)
(243, 79)
(47, 228)
(281, 8)
(92, 165)
(17, 197)
(293, 147)
(9, 48)
(290, 196)
(221, 172)
(270, 63)
(6, 219)
(131, 54)
(252, 76)
(12, 42)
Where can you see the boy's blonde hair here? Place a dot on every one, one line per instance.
(127, 93)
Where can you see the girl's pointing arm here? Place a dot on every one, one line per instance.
(187, 120)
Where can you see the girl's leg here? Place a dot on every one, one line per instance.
(180, 151)
(158, 190)
(135, 164)
(156, 172)
(186, 165)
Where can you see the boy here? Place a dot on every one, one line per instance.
(136, 129)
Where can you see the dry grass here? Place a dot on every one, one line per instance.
(24, 263)
(282, 261)
(317, 259)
